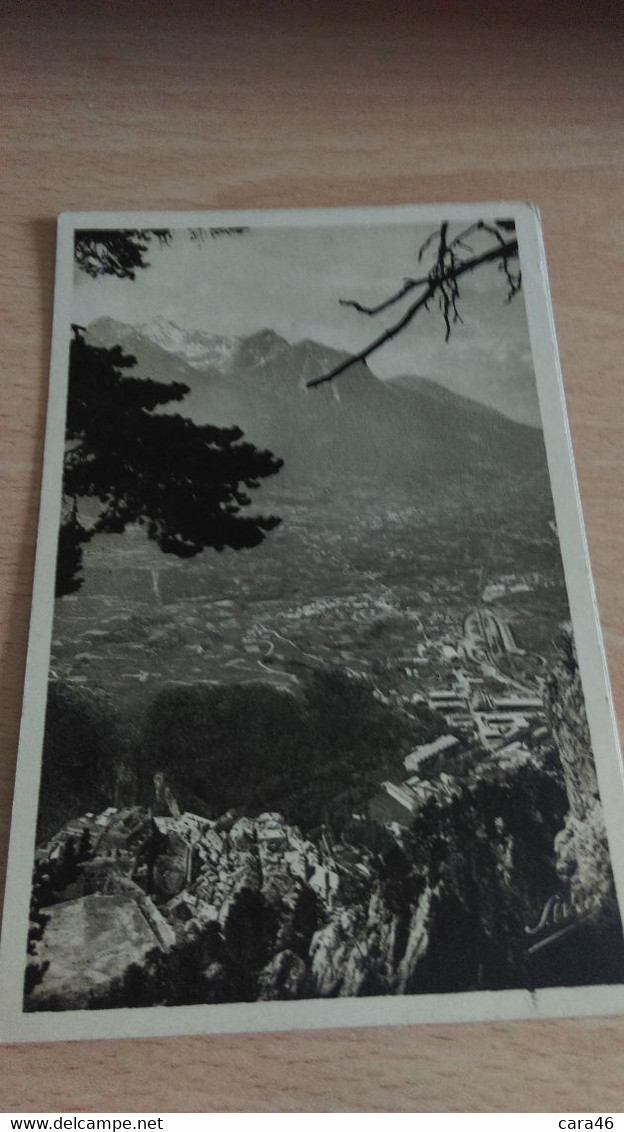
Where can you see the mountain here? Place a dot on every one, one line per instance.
(405, 432)
(153, 359)
(195, 348)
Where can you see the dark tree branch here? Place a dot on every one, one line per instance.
(442, 282)
(408, 285)
(381, 341)
(423, 247)
(411, 284)
(514, 282)
(117, 252)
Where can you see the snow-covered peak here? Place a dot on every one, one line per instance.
(199, 348)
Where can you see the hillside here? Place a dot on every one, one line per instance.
(408, 431)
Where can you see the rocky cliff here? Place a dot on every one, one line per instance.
(582, 850)
(139, 906)
(206, 911)
(142, 909)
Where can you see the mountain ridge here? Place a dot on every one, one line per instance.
(400, 431)
(219, 350)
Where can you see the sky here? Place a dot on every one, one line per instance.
(291, 280)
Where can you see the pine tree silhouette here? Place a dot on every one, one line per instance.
(187, 484)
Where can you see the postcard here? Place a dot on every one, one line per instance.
(317, 729)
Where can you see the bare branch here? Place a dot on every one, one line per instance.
(408, 285)
(514, 282)
(423, 247)
(442, 281)
(479, 226)
(381, 341)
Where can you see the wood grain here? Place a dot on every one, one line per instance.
(272, 104)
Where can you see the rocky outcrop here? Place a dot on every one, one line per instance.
(581, 848)
(568, 718)
(89, 944)
(172, 908)
(247, 908)
(371, 949)
(284, 977)
(210, 911)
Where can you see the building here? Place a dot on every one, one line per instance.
(452, 703)
(498, 718)
(494, 726)
(393, 803)
(519, 703)
(447, 701)
(421, 754)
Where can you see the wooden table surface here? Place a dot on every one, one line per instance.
(271, 104)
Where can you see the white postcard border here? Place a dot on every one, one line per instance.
(319, 1013)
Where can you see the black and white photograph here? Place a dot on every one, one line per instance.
(317, 712)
